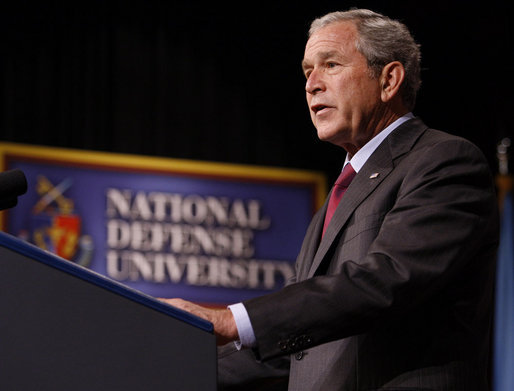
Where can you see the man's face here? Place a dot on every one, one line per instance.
(344, 100)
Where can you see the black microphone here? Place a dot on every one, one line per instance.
(12, 184)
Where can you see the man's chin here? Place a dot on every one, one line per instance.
(328, 135)
(325, 134)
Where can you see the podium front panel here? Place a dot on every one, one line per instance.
(62, 330)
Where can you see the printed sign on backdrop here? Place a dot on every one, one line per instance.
(208, 232)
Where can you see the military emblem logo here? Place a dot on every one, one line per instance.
(55, 226)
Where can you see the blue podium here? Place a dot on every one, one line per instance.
(64, 327)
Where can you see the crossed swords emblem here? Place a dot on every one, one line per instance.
(50, 194)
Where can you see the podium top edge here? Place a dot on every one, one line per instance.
(37, 254)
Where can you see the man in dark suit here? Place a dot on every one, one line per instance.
(394, 292)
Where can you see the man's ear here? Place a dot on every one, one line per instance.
(391, 79)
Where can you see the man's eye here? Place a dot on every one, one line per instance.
(331, 64)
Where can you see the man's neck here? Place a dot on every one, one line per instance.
(374, 127)
(358, 159)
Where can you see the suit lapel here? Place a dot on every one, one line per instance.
(310, 244)
(376, 169)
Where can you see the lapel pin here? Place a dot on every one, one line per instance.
(374, 175)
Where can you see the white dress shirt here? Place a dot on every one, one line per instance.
(244, 326)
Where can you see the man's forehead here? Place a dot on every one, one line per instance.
(321, 56)
(336, 39)
(336, 31)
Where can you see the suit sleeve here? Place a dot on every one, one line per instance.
(238, 370)
(440, 222)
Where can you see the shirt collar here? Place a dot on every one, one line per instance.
(365, 152)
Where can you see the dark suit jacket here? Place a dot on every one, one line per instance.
(398, 294)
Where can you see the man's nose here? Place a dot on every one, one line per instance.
(314, 83)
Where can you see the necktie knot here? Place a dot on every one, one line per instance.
(342, 182)
(346, 176)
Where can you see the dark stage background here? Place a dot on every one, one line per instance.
(222, 82)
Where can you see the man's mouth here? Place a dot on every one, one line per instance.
(318, 108)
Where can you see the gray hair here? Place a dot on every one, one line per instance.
(382, 40)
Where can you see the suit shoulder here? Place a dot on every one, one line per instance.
(435, 140)
(437, 136)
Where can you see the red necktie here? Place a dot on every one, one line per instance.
(342, 183)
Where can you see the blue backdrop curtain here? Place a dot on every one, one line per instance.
(503, 372)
